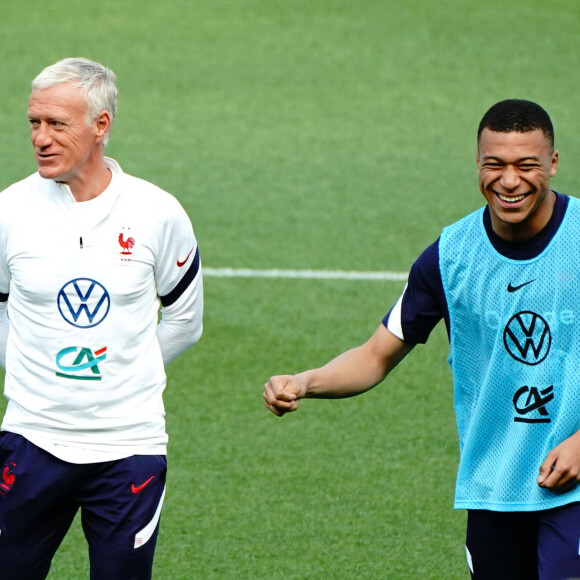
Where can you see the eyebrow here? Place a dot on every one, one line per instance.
(520, 160)
(32, 117)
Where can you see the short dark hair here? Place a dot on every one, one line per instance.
(516, 115)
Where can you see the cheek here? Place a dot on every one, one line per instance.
(484, 182)
(70, 148)
(540, 180)
(488, 178)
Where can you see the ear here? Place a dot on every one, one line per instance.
(554, 163)
(102, 126)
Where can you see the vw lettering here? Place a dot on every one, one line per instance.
(83, 302)
(527, 338)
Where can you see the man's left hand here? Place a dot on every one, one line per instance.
(561, 468)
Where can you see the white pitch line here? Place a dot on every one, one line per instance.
(304, 274)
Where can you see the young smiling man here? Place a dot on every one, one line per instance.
(88, 256)
(514, 177)
(505, 280)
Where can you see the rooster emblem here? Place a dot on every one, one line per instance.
(8, 479)
(126, 244)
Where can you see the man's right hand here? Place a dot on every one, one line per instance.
(282, 394)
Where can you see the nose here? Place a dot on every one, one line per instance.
(510, 178)
(40, 135)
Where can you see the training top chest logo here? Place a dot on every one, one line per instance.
(527, 338)
(83, 302)
(126, 244)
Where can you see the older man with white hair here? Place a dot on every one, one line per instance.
(88, 256)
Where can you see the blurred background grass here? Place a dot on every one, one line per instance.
(326, 135)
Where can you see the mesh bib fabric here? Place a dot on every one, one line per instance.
(515, 356)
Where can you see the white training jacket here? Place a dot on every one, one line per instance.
(80, 289)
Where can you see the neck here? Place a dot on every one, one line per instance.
(91, 183)
(522, 231)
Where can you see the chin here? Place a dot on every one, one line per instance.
(48, 173)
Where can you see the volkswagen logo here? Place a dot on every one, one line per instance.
(527, 338)
(83, 302)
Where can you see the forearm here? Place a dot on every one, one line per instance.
(175, 337)
(4, 327)
(345, 376)
(351, 373)
(355, 371)
(181, 323)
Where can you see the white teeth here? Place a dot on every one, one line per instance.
(511, 199)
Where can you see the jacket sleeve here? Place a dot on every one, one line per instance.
(179, 283)
(4, 327)
(4, 290)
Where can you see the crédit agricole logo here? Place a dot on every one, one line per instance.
(83, 303)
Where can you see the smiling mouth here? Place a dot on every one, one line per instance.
(511, 198)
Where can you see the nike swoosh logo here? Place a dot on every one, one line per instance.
(180, 264)
(137, 489)
(511, 288)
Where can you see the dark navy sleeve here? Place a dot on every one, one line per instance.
(422, 304)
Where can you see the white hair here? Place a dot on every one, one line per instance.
(96, 82)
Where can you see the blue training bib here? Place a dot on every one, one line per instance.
(515, 356)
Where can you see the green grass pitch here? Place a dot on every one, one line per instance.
(303, 135)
